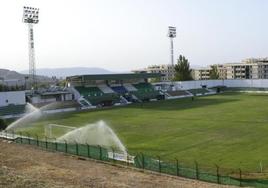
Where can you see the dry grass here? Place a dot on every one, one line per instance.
(29, 167)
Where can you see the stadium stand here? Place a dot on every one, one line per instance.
(83, 102)
(119, 89)
(145, 91)
(95, 96)
(109, 89)
(130, 87)
(105, 89)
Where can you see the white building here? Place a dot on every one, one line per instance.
(201, 73)
(166, 70)
(252, 68)
(248, 69)
(12, 98)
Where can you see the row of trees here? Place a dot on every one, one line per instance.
(11, 88)
(184, 73)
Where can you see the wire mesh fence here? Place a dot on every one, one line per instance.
(142, 161)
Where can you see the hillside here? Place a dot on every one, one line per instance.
(64, 72)
(9, 75)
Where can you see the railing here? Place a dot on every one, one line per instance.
(141, 161)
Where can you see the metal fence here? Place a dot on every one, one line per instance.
(145, 162)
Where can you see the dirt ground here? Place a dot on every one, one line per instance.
(29, 167)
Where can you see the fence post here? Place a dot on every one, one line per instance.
(20, 137)
(113, 154)
(127, 158)
(37, 140)
(56, 144)
(240, 177)
(196, 170)
(66, 145)
(177, 167)
(13, 134)
(88, 150)
(159, 164)
(28, 135)
(46, 142)
(76, 148)
(218, 174)
(142, 158)
(100, 152)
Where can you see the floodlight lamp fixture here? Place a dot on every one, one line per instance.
(30, 15)
(171, 32)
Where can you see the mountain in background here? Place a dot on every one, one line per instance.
(9, 75)
(64, 72)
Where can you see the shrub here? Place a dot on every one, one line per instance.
(3, 124)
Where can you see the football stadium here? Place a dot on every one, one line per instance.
(211, 130)
(122, 115)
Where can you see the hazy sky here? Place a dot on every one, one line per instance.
(121, 35)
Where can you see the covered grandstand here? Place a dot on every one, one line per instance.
(111, 89)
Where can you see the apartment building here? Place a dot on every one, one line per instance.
(166, 70)
(201, 73)
(248, 69)
(253, 68)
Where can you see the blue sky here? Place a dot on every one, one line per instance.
(121, 35)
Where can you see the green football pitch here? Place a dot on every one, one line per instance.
(230, 129)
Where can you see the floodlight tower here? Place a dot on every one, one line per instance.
(30, 17)
(171, 35)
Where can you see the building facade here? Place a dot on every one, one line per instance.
(252, 68)
(248, 69)
(201, 73)
(166, 70)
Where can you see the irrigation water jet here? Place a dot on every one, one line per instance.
(32, 114)
(98, 133)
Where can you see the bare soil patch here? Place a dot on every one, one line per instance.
(30, 167)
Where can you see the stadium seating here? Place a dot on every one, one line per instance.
(130, 87)
(89, 91)
(12, 110)
(119, 89)
(145, 91)
(105, 89)
(95, 96)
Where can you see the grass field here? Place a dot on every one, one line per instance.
(229, 129)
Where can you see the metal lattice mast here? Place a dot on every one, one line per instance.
(30, 16)
(32, 70)
(171, 35)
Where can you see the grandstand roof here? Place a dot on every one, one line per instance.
(114, 76)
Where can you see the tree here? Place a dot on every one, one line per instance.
(182, 69)
(213, 73)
